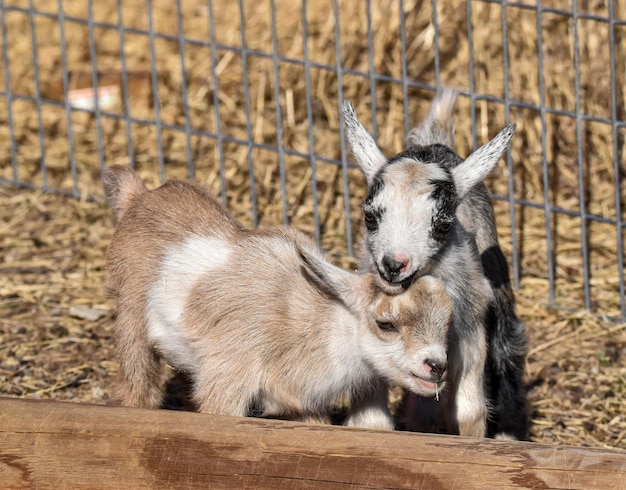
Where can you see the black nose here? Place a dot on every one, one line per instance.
(391, 265)
(437, 368)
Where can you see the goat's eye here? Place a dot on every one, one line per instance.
(371, 221)
(440, 231)
(444, 228)
(386, 326)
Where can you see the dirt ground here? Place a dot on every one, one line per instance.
(55, 318)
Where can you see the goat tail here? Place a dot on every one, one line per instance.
(438, 127)
(121, 186)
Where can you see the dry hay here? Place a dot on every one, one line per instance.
(55, 320)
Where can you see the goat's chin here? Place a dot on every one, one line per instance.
(394, 288)
(387, 287)
(427, 389)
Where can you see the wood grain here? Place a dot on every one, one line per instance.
(46, 444)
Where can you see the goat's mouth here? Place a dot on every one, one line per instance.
(395, 282)
(428, 387)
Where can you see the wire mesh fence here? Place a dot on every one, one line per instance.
(243, 96)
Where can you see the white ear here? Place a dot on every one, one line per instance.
(480, 164)
(368, 156)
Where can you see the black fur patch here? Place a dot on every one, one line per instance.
(372, 214)
(444, 193)
(437, 153)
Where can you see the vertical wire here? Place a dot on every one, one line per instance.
(405, 76)
(580, 161)
(155, 94)
(183, 77)
(472, 80)
(125, 95)
(68, 107)
(7, 83)
(546, 177)
(216, 105)
(279, 116)
(344, 165)
(372, 74)
(95, 84)
(40, 135)
(372, 78)
(309, 112)
(436, 46)
(509, 158)
(619, 224)
(246, 101)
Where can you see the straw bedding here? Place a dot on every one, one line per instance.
(55, 319)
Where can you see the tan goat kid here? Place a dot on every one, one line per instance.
(257, 318)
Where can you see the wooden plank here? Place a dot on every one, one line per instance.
(46, 444)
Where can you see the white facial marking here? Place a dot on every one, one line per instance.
(404, 229)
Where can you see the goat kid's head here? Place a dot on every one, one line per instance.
(413, 196)
(405, 338)
(414, 326)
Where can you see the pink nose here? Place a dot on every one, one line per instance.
(406, 262)
(397, 264)
(436, 368)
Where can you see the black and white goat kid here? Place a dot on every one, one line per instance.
(428, 212)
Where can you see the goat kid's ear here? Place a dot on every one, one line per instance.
(438, 127)
(121, 185)
(333, 281)
(368, 156)
(481, 163)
